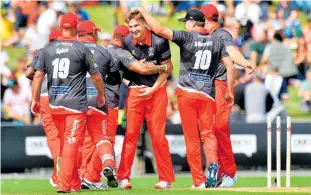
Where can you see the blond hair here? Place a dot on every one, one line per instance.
(136, 15)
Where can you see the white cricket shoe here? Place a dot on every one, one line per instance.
(86, 184)
(163, 185)
(52, 183)
(202, 186)
(227, 181)
(125, 184)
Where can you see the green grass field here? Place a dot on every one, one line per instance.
(144, 185)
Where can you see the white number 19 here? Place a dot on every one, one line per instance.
(202, 59)
(60, 68)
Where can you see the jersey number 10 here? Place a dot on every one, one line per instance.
(202, 59)
(60, 68)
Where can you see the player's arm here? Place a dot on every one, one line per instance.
(154, 25)
(148, 69)
(30, 72)
(95, 76)
(134, 65)
(238, 58)
(35, 62)
(230, 75)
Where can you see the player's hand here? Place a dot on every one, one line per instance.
(138, 9)
(229, 97)
(146, 92)
(100, 100)
(250, 69)
(169, 67)
(35, 107)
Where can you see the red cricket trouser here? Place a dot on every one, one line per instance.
(197, 113)
(225, 154)
(71, 128)
(93, 161)
(154, 110)
(50, 132)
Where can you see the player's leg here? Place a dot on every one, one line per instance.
(189, 120)
(156, 123)
(74, 131)
(225, 153)
(97, 127)
(113, 114)
(51, 135)
(207, 115)
(88, 148)
(135, 114)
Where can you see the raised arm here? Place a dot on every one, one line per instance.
(154, 25)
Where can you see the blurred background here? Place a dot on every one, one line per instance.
(273, 35)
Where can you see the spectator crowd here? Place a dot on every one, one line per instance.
(274, 36)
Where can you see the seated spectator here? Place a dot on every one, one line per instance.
(280, 58)
(284, 8)
(301, 58)
(258, 48)
(17, 103)
(247, 11)
(305, 92)
(256, 96)
(76, 8)
(307, 37)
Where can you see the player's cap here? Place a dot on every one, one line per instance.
(69, 20)
(87, 27)
(210, 12)
(193, 14)
(121, 31)
(54, 35)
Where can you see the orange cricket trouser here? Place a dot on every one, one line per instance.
(95, 160)
(154, 110)
(198, 122)
(50, 132)
(225, 154)
(72, 128)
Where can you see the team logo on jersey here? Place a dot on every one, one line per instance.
(200, 77)
(151, 52)
(62, 50)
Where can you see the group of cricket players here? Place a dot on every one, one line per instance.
(76, 84)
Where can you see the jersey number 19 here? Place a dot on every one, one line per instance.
(60, 68)
(202, 59)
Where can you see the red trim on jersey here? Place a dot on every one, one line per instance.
(61, 38)
(87, 39)
(147, 40)
(203, 31)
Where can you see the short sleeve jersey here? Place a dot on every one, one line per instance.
(157, 52)
(35, 62)
(227, 40)
(199, 59)
(122, 59)
(66, 63)
(105, 64)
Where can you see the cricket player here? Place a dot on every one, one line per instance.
(200, 54)
(97, 117)
(124, 61)
(227, 166)
(147, 99)
(66, 63)
(45, 111)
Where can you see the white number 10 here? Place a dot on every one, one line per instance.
(202, 59)
(60, 68)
